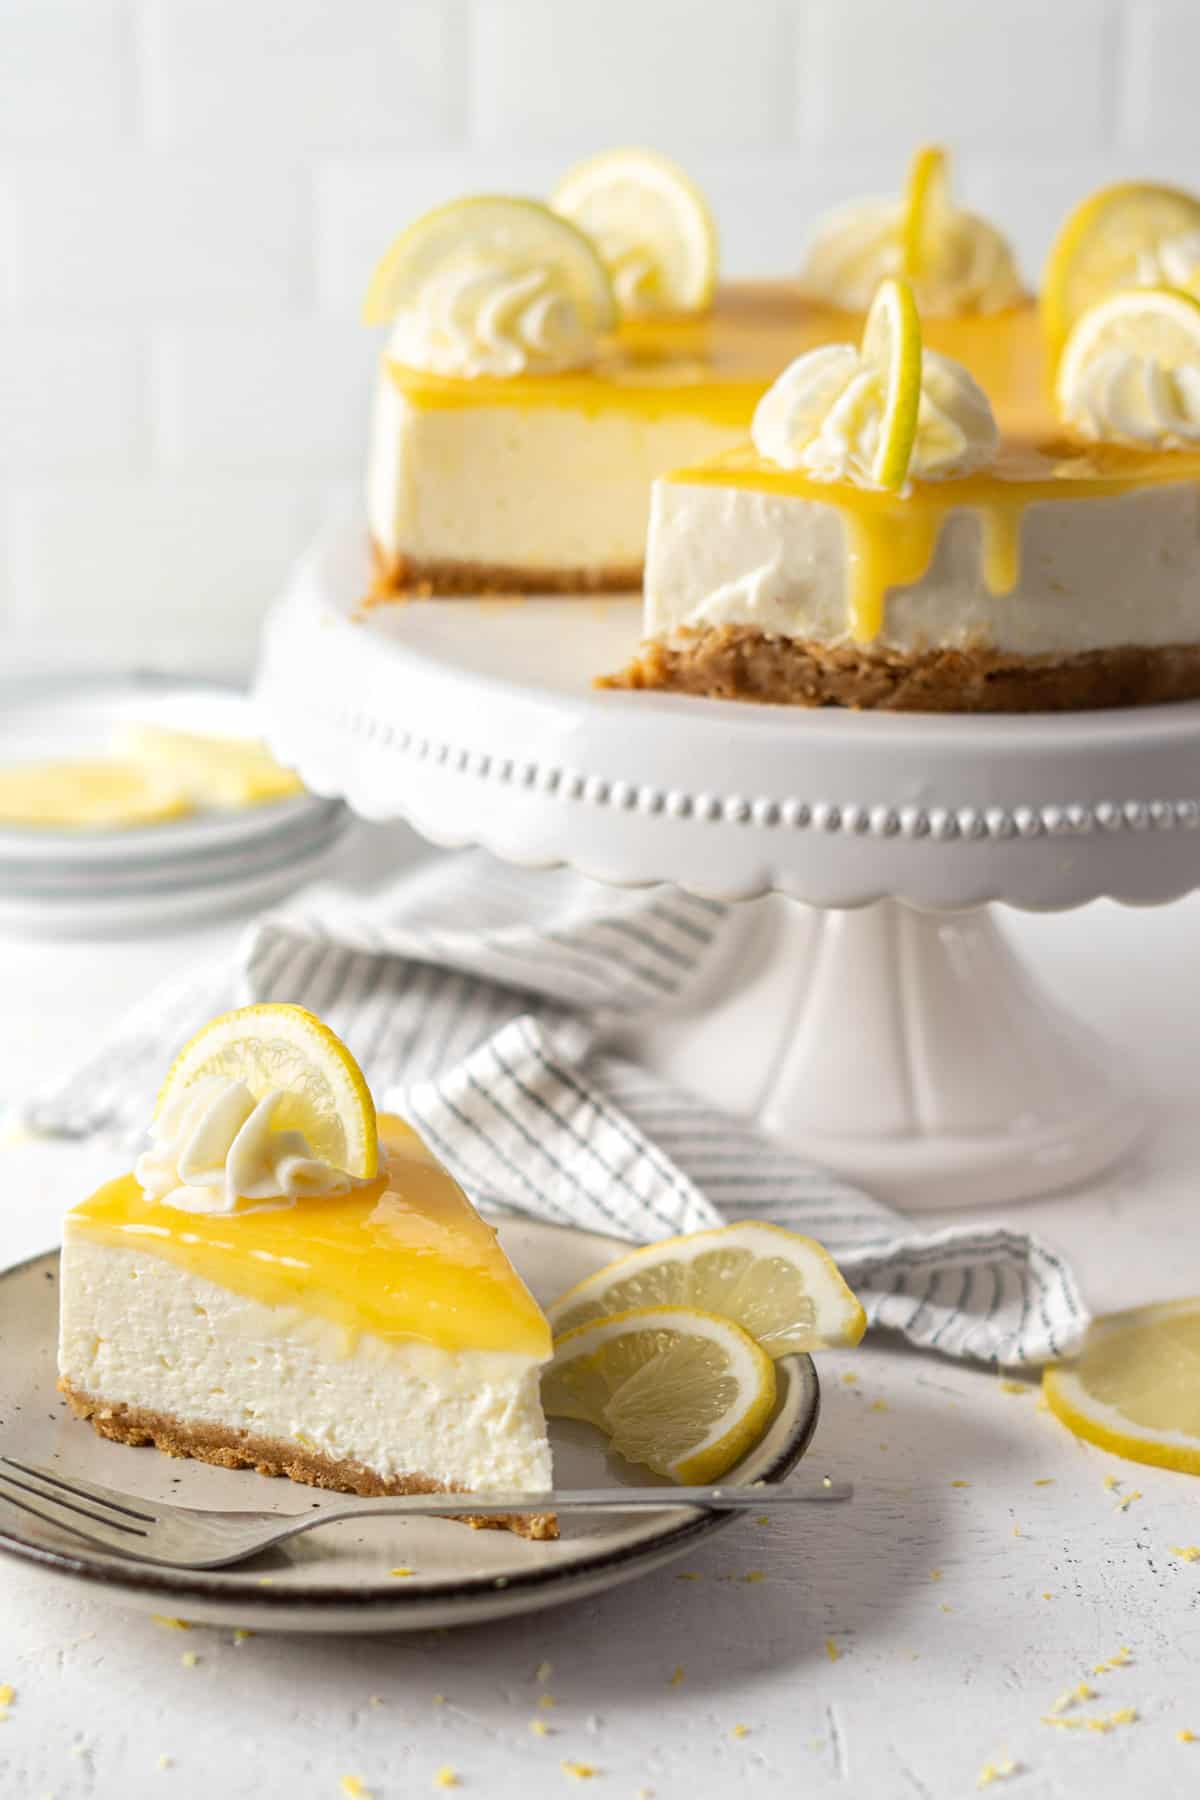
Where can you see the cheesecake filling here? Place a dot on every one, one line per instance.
(140, 1333)
(379, 1327)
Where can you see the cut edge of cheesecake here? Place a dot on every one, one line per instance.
(737, 662)
(231, 1449)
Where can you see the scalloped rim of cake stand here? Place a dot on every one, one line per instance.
(477, 721)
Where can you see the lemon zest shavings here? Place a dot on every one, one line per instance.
(170, 1624)
(1186, 1552)
(831, 1650)
(579, 1771)
(677, 1677)
(446, 1777)
(354, 1787)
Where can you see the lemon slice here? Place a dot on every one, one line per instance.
(784, 1289)
(1156, 325)
(1100, 246)
(1135, 1389)
(891, 341)
(102, 794)
(681, 1391)
(275, 1048)
(651, 225)
(925, 208)
(518, 233)
(214, 771)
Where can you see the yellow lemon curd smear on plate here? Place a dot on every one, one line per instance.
(405, 1258)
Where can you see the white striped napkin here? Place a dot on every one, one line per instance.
(475, 997)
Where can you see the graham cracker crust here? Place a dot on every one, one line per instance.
(414, 578)
(736, 662)
(231, 1449)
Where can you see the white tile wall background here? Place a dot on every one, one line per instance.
(193, 192)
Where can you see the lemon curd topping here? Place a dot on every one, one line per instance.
(716, 365)
(891, 539)
(405, 1258)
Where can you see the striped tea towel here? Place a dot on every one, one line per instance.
(476, 996)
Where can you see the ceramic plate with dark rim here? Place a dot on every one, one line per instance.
(338, 1579)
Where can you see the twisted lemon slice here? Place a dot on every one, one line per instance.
(891, 341)
(784, 1289)
(652, 226)
(514, 232)
(1106, 243)
(1130, 370)
(275, 1047)
(681, 1391)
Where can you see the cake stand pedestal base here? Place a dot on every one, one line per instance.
(911, 1052)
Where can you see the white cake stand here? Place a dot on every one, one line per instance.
(884, 1025)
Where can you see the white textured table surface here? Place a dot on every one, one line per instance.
(891, 1649)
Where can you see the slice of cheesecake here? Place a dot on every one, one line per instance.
(882, 542)
(376, 1341)
(1052, 581)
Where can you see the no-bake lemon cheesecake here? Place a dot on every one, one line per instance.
(904, 531)
(288, 1284)
(545, 363)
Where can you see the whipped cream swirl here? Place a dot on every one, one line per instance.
(1120, 397)
(971, 268)
(216, 1146)
(824, 414)
(486, 319)
(1173, 263)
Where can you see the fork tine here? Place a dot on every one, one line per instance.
(82, 1490)
(8, 1481)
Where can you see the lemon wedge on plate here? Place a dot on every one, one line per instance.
(1159, 327)
(652, 226)
(1135, 1387)
(213, 771)
(277, 1048)
(681, 1391)
(891, 343)
(102, 794)
(517, 233)
(1105, 243)
(784, 1289)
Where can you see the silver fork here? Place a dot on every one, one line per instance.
(190, 1537)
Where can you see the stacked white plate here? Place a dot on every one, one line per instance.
(108, 882)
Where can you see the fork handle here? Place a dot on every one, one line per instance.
(599, 1500)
